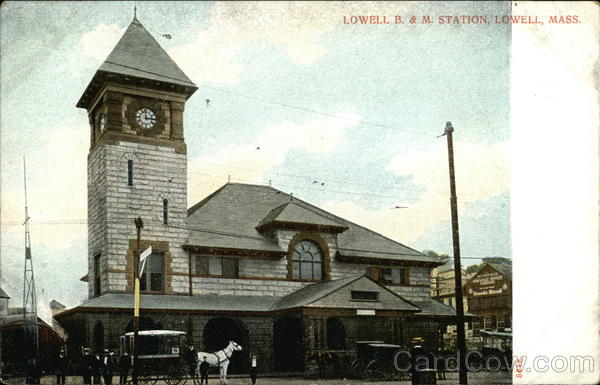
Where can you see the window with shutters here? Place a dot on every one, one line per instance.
(389, 275)
(217, 266)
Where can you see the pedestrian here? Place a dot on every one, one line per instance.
(86, 366)
(96, 369)
(253, 370)
(204, 366)
(61, 368)
(124, 365)
(192, 360)
(107, 366)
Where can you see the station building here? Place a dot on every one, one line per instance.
(248, 263)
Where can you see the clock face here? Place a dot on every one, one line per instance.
(102, 121)
(145, 117)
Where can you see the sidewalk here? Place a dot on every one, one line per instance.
(481, 378)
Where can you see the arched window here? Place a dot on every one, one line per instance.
(307, 261)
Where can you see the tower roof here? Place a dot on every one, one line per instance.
(138, 55)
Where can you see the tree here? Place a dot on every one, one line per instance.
(475, 268)
(441, 257)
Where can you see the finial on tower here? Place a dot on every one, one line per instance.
(134, 11)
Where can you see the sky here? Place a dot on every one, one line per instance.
(347, 117)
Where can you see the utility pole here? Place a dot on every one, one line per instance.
(460, 315)
(139, 225)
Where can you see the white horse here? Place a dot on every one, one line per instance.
(219, 358)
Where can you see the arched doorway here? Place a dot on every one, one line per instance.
(336, 334)
(146, 323)
(217, 334)
(288, 344)
(98, 337)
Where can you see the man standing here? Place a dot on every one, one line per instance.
(107, 366)
(253, 370)
(61, 368)
(96, 369)
(204, 366)
(124, 365)
(192, 360)
(86, 366)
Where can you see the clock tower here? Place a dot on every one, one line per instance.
(137, 166)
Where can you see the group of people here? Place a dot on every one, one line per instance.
(93, 367)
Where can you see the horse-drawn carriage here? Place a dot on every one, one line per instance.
(162, 357)
(376, 360)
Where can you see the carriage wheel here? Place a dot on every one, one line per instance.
(374, 371)
(174, 376)
(357, 368)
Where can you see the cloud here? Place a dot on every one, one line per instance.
(101, 41)
(251, 161)
(55, 191)
(482, 172)
(297, 26)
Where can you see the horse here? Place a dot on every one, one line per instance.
(219, 358)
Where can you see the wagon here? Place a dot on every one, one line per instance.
(375, 360)
(160, 356)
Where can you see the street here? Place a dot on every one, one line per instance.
(481, 378)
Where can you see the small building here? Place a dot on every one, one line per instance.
(443, 285)
(489, 295)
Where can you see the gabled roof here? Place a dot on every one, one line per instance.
(139, 55)
(228, 219)
(503, 268)
(292, 214)
(3, 294)
(432, 307)
(54, 304)
(312, 293)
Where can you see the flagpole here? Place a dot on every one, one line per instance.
(139, 225)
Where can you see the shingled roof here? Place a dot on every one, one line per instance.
(140, 56)
(3, 294)
(229, 218)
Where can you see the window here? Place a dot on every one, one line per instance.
(364, 295)
(487, 322)
(130, 173)
(307, 261)
(166, 211)
(219, 266)
(97, 281)
(389, 275)
(152, 278)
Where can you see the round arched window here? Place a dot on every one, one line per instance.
(307, 261)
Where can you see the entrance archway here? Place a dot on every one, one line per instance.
(288, 344)
(98, 337)
(217, 334)
(336, 334)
